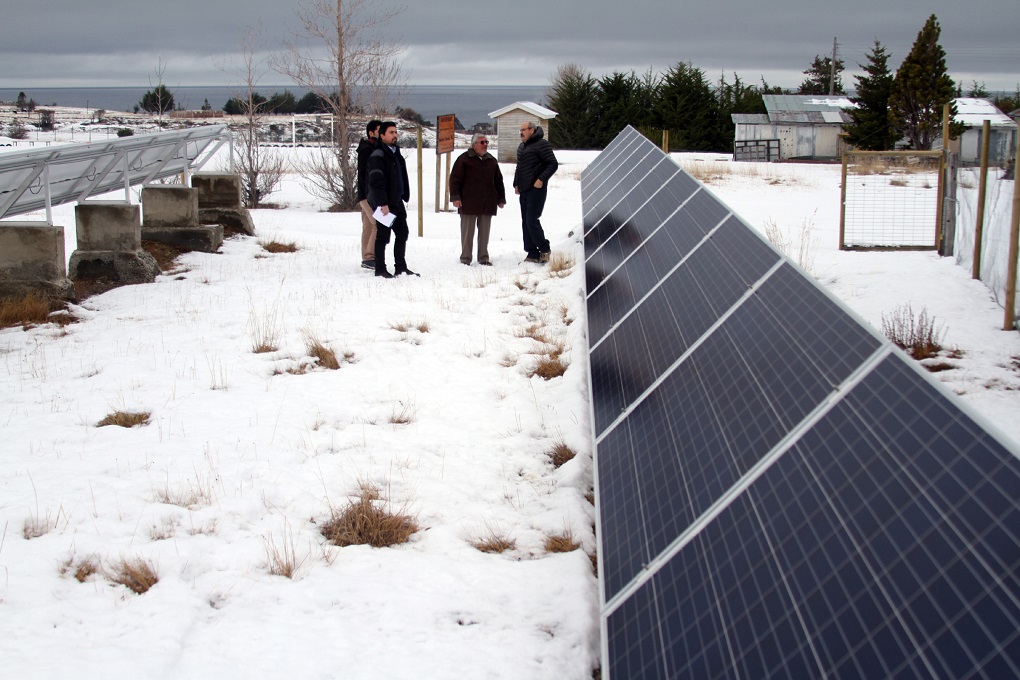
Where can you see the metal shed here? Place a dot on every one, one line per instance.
(973, 112)
(508, 121)
(799, 126)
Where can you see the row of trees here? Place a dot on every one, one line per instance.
(905, 106)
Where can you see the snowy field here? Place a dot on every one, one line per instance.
(247, 454)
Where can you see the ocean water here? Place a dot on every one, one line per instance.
(471, 103)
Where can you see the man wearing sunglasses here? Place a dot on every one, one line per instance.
(476, 189)
(536, 163)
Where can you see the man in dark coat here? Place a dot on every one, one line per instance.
(366, 146)
(476, 188)
(388, 190)
(536, 163)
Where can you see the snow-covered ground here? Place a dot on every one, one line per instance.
(244, 459)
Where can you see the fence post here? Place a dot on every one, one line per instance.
(979, 226)
(842, 206)
(1014, 246)
(940, 208)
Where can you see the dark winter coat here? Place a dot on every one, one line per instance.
(477, 183)
(365, 149)
(535, 160)
(387, 180)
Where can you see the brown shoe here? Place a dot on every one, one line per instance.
(543, 257)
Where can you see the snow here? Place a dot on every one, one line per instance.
(265, 454)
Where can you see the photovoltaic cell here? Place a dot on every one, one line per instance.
(623, 144)
(775, 498)
(853, 556)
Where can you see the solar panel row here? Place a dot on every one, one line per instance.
(780, 493)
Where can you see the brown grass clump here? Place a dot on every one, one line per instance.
(82, 570)
(403, 415)
(561, 543)
(548, 368)
(323, 355)
(364, 522)
(33, 310)
(138, 574)
(275, 246)
(916, 335)
(126, 419)
(560, 265)
(282, 561)
(494, 541)
(560, 453)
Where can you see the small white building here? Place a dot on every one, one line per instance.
(807, 126)
(508, 122)
(973, 113)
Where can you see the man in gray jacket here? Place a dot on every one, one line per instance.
(536, 163)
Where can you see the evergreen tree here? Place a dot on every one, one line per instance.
(282, 102)
(157, 100)
(978, 90)
(22, 102)
(735, 98)
(311, 103)
(574, 95)
(871, 130)
(237, 106)
(819, 75)
(621, 98)
(921, 89)
(1008, 103)
(688, 109)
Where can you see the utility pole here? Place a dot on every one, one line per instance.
(832, 70)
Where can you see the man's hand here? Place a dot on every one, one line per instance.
(501, 205)
(456, 204)
(385, 209)
(538, 184)
(517, 190)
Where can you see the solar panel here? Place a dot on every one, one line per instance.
(780, 492)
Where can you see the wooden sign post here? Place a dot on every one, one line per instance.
(444, 145)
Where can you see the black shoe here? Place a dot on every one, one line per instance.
(368, 264)
(405, 270)
(485, 264)
(536, 258)
(383, 273)
(544, 257)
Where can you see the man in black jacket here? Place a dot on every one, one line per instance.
(536, 163)
(388, 190)
(366, 146)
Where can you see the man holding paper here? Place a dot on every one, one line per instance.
(388, 190)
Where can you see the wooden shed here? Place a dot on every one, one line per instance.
(795, 126)
(508, 122)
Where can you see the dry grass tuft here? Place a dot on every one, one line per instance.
(403, 413)
(282, 561)
(364, 522)
(560, 453)
(196, 494)
(422, 326)
(126, 419)
(325, 356)
(82, 570)
(138, 574)
(36, 526)
(275, 246)
(548, 368)
(494, 541)
(535, 331)
(915, 334)
(560, 266)
(561, 543)
(32, 310)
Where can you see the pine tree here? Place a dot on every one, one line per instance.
(688, 109)
(620, 94)
(574, 96)
(819, 75)
(735, 98)
(157, 100)
(871, 130)
(921, 89)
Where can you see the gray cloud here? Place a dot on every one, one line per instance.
(73, 43)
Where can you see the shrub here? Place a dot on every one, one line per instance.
(125, 132)
(17, 131)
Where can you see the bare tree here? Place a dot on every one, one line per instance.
(344, 56)
(261, 167)
(159, 99)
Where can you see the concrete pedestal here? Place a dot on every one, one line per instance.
(110, 244)
(219, 202)
(170, 215)
(32, 261)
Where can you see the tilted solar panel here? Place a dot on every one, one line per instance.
(780, 491)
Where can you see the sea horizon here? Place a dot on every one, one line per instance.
(470, 103)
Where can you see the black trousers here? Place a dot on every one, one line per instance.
(532, 204)
(382, 238)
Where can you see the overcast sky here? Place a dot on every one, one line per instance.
(75, 43)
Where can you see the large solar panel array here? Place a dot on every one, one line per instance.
(33, 179)
(781, 492)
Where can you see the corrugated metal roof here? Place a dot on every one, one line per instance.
(973, 112)
(808, 108)
(749, 118)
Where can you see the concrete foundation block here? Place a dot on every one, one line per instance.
(218, 190)
(169, 206)
(205, 238)
(32, 261)
(108, 225)
(230, 220)
(115, 266)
